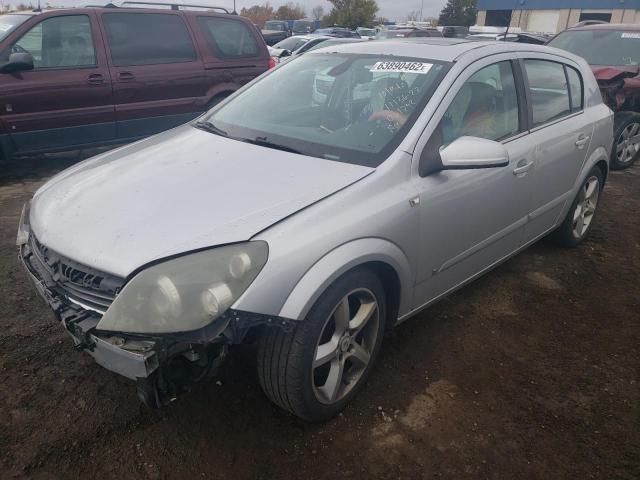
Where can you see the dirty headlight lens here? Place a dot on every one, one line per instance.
(186, 293)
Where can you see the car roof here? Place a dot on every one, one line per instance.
(609, 26)
(111, 8)
(440, 49)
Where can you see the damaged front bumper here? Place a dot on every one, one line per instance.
(163, 366)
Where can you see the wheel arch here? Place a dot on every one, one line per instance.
(384, 258)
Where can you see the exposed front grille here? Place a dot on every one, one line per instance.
(79, 283)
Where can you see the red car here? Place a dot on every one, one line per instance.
(81, 77)
(613, 51)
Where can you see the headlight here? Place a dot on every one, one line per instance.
(186, 293)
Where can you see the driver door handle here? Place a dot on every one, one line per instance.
(523, 167)
(96, 79)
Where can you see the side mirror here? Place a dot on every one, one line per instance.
(18, 62)
(473, 152)
(285, 53)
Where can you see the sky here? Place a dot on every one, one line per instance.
(392, 9)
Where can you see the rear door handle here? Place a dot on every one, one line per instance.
(126, 76)
(96, 79)
(523, 167)
(582, 140)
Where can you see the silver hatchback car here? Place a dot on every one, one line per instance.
(311, 228)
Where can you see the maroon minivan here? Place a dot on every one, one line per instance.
(80, 77)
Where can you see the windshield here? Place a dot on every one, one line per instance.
(9, 22)
(601, 47)
(331, 43)
(274, 26)
(291, 43)
(343, 107)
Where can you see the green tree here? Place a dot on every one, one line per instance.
(290, 11)
(351, 13)
(459, 12)
(259, 14)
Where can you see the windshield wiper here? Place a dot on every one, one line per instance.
(263, 142)
(211, 128)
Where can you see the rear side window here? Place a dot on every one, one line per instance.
(576, 89)
(549, 90)
(147, 39)
(229, 38)
(59, 42)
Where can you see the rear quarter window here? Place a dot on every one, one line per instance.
(147, 39)
(229, 38)
(576, 88)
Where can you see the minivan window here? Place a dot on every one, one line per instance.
(575, 85)
(229, 38)
(345, 107)
(147, 39)
(486, 106)
(8, 23)
(59, 42)
(549, 91)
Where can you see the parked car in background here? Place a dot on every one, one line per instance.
(368, 33)
(82, 77)
(337, 32)
(408, 33)
(454, 31)
(303, 27)
(296, 45)
(515, 37)
(613, 51)
(346, 218)
(275, 31)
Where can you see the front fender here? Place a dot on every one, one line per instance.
(338, 261)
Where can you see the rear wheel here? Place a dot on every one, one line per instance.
(315, 370)
(626, 146)
(579, 219)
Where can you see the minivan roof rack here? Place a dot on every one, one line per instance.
(173, 5)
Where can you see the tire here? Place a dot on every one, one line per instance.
(626, 143)
(286, 359)
(579, 220)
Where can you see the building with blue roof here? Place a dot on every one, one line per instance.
(551, 16)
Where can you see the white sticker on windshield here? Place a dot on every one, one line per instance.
(631, 35)
(5, 27)
(402, 67)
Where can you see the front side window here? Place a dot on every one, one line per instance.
(59, 42)
(147, 39)
(345, 107)
(549, 90)
(486, 106)
(229, 38)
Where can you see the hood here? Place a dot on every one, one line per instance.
(606, 73)
(178, 191)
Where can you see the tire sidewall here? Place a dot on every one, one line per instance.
(310, 330)
(594, 172)
(621, 121)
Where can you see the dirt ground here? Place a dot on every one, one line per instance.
(531, 372)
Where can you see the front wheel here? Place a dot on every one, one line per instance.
(316, 369)
(580, 217)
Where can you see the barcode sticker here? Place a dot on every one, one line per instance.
(402, 67)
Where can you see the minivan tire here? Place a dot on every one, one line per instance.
(566, 234)
(286, 358)
(623, 123)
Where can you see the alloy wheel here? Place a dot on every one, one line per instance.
(345, 346)
(628, 144)
(586, 206)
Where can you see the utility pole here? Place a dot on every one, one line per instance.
(421, 8)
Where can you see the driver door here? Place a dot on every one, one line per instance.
(66, 100)
(471, 219)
